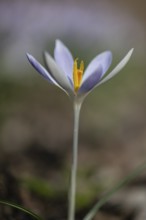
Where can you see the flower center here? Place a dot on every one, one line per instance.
(77, 74)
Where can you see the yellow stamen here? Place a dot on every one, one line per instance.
(77, 74)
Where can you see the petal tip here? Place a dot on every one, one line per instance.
(46, 54)
(129, 54)
(31, 59)
(29, 56)
(58, 42)
(131, 51)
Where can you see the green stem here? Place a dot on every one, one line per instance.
(72, 189)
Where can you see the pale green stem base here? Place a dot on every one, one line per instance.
(72, 189)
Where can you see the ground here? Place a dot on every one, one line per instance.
(36, 151)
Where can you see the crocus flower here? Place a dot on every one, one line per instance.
(69, 75)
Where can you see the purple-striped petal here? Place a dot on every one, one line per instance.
(63, 58)
(104, 59)
(92, 80)
(118, 68)
(41, 69)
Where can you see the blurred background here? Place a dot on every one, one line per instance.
(36, 119)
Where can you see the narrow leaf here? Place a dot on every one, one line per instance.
(21, 209)
(117, 187)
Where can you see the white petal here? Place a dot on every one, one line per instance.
(117, 68)
(58, 74)
(104, 60)
(63, 58)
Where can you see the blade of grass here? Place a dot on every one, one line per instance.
(117, 187)
(21, 209)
